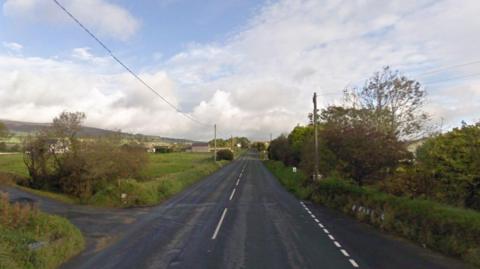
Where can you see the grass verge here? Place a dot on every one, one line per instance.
(32, 239)
(154, 191)
(452, 231)
(166, 175)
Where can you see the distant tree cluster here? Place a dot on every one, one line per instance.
(227, 143)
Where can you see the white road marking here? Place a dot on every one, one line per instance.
(238, 181)
(344, 252)
(219, 224)
(233, 193)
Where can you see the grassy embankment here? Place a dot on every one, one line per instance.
(165, 175)
(32, 239)
(452, 231)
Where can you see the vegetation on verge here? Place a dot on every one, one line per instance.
(453, 231)
(429, 195)
(32, 239)
(102, 171)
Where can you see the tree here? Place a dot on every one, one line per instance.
(297, 139)
(355, 146)
(396, 100)
(58, 159)
(280, 150)
(452, 160)
(259, 146)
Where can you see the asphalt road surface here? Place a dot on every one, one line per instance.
(240, 217)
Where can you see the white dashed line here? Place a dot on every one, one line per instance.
(219, 224)
(233, 193)
(344, 252)
(238, 181)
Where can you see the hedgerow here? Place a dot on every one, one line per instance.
(450, 230)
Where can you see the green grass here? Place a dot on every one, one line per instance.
(293, 182)
(168, 163)
(13, 164)
(23, 226)
(168, 174)
(165, 175)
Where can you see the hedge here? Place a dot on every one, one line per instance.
(449, 230)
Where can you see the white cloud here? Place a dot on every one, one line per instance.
(13, 46)
(293, 48)
(105, 18)
(37, 89)
(261, 80)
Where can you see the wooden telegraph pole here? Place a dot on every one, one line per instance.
(315, 170)
(215, 142)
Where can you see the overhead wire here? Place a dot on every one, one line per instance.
(129, 70)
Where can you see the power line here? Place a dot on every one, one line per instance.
(454, 78)
(188, 116)
(448, 67)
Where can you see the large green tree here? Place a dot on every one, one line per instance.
(452, 160)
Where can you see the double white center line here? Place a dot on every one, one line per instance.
(219, 224)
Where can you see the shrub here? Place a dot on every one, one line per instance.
(224, 154)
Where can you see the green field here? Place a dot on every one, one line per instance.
(13, 163)
(164, 176)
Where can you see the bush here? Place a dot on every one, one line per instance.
(224, 154)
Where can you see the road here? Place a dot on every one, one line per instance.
(241, 217)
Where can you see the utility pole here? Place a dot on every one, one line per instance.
(215, 142)
(315, 170)
(231, 142)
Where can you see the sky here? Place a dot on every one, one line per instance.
(250, 67)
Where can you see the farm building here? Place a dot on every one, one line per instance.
(200, 147)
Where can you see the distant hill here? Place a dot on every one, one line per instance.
(20, 127)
